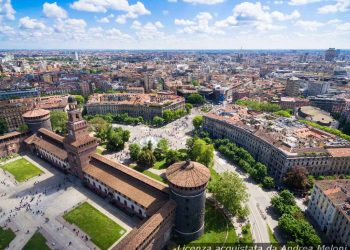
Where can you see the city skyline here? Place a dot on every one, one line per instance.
(174, 24)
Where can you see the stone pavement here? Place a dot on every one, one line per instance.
(39, 203)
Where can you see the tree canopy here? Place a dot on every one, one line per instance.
(197, 121)
(59, 121)
(230, 190)
(196, 99)
(3, 126)
(297, 179)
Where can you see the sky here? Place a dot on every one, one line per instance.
(174, 24)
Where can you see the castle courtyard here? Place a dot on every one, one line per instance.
(38, 204)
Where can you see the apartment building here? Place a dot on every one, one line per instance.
(281, 143)
(145, 105)
(329, 206)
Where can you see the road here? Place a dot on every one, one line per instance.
(258, 203)
(177, 133)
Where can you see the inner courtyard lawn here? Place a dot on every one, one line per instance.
(22, 169)
(37, 242)
(102, 230)
(6, 236)
(217, 229)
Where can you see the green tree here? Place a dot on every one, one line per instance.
(197, 121)
(172, 156)
(196, 99)
(268, 182)
(157, 121)
(231, 192)
(198, 149)
(168, 116)
(3, 126)
(188, 107)
(195, 83)
(259, 172)
(59, 121)
(134, 150)
(299, 230)
(80, 99)
(146, 158)
(207, 158)
(23, 128)
(116, 138)
(284, 202)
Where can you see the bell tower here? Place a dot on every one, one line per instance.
(78, 143)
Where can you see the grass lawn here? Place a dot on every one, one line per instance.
(216, 227)
(272, 237)
(37, 242)
(159, 164)
(6, 236)
(22, 169)
(247, 234)
(148, 173)
(100, 150)
(102, 230)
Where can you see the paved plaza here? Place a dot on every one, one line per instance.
(39, 204)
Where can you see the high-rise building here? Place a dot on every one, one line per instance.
(76, 56)
(330, 54)
(292, 87)
(317, 88)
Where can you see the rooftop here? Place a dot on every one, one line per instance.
(338, 191)
(188, 174)
(138, 187)
(134, 99)
(36, 113)
(287, 134)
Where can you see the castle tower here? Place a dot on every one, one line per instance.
(188, 181)
(37, 119)
(78, 143)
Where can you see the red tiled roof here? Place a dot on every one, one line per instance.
(188, 174)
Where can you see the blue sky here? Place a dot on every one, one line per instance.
(174, 24)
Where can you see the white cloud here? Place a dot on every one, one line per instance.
(199, 25)
(104, 5)
(339, 6)
(309, 25)
(184, 22)
(172, 1)
(256, 15)
(121, 19)
(283, 17)
(103, 20)
(148, 31)
(343, 27)
(53, 10)
(302, 2)
(29, 23)
(278, 2)
(6, 30)
(70, 25)
(208, 2)
(6, 10)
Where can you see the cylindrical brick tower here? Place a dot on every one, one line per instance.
(188, 181)
(36, 119)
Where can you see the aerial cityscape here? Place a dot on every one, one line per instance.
(174, 124)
